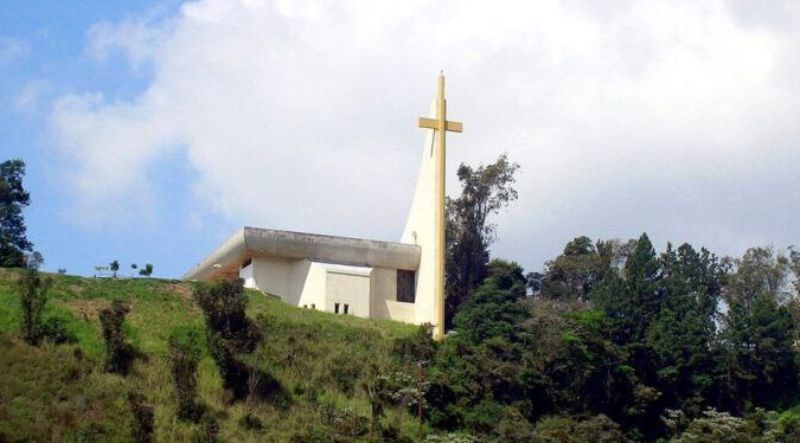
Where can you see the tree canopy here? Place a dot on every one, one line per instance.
(13, 199)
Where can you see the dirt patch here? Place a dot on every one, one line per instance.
(75, 288)
(87, 309)
(182, 290)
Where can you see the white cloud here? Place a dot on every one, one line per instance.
(671, 117)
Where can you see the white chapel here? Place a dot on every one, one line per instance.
(402, 280)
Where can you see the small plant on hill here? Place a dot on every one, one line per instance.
(33, 297)
(143, 426)
(114, 267)
(184, 353)
(119, 353)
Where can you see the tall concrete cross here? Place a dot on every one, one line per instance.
(441, 126)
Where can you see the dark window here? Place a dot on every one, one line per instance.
(406, 286)
(346, 308)
(336, 308)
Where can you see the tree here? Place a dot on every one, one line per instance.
(575, 272)
(114, 267)
(33, 297)
(759, 332)
(485, 191)
(13, 199)
(147, 270)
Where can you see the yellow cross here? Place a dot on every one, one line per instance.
(441, 126)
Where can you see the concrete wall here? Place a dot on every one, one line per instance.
(420, 229)
(246, 274)
(313, 290)
(348, 287)
(383, 297)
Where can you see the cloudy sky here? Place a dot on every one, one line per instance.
(153, 129)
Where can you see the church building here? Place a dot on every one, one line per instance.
(402, 280)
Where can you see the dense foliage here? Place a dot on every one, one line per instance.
(119, 352)
(13, 199)
(618, 337)
(484, 191)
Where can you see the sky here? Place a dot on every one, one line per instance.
(152, 130)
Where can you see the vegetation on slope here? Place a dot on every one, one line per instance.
(61, 392)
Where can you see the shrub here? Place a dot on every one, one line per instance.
(55, 329)
(229, 332)
(184, 353)
(143, 425)
(33, 297)
(119, 353)
(223, 306)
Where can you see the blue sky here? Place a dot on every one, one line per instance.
(153, 129)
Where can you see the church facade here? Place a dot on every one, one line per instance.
(352, 276)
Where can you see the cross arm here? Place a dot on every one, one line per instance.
(432, 123)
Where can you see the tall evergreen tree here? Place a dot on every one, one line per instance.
(759, 332)
(13, 199)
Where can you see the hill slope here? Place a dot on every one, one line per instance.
(59, 392)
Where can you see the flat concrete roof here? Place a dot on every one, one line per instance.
(249, 242)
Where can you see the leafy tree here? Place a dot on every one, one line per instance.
(574, 273)
(13, 199)
(147, 270)
(114, 267)
(485, 191)
(33, 297)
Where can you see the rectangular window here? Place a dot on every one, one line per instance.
(406, 286)
(336, 308)
(346, 308)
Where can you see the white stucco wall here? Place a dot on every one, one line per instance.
(313, 288)
(383, 297)
(246, 274)
(348, 287)
(420, 229)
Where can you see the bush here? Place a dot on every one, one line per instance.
(184, 353)
(119, 353)
(229, 332)
(55, 329)
(143, 425)
(224, 306)
(33, 297)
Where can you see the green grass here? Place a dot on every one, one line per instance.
(60, 392)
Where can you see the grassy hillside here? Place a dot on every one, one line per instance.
(60, 393)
